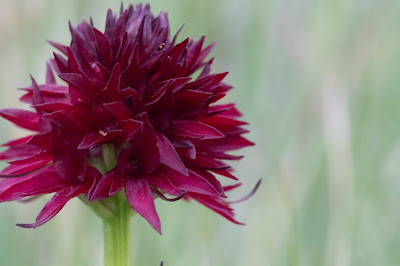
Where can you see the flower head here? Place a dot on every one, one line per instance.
(130, 116)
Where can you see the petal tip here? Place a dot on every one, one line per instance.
(33, 226)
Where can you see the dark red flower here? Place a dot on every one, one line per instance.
(131, 115)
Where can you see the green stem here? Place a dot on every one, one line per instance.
(109, 156)
(115, 212)
(117, 236)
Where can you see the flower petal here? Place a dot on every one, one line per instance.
(21, 118)
(147, 146)
(162, 181)
(212, 180)
(216, 205)
(68, 162)
(131, 129)
(62, 48)
(110, 92)
(193, 182)
(185, 149)
(42, 183)
(108, 185)
(16, 141)
(15, 169)
(54, 205)
(169, 156)
(96, 138)
(140, 198)
(194, 129)
(119, 110)
(19, 151)
(229, 143)
(79, 81)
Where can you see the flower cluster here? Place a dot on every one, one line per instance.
(130, 116)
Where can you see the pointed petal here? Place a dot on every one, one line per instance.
(140, 198)
(218, 121)
(42, 183)
(50, 79)
(15, 169)
(229, 143)
(16, 141)
(19, 151)
(79, 81)
(194, 129)
(7, 183)
(209, 163)
(68, 162)
(65, 120)
(162, 181)
(36, 158)
(62, 48)
(212, 180)
(178, 50)
(226, 173)
(192, 183)
(54, 205)
(49, 89)
(193, 52)
(96, 138)
(37, 96)
(119, 110)
(51, 107)
(225, 110)
(110, 92)
(21, 118)
(107, 186)
(169, 156)
(185, 149)
(147, 146)
(131, 128)
(217, 205)
(232, 187)
(104, 46)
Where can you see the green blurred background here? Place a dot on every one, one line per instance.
(318, 81)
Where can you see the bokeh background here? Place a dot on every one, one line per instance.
(319, 82)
